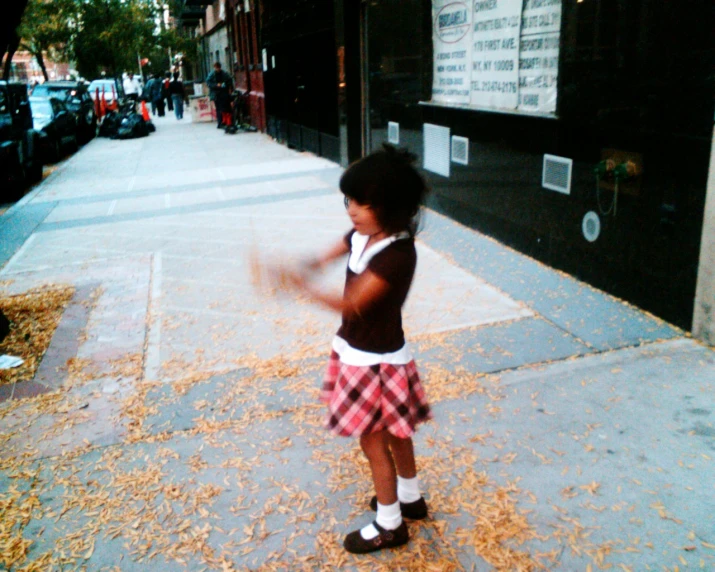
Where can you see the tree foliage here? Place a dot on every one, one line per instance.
(46, 28)
(112, 33)
(101, 35)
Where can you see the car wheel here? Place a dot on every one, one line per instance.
(35, 173)
(88, 128)
(74, 145)
(55, 151)
(92, 129)
(17, 180)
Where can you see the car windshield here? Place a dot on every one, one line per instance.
(41, 108)
(102, 84)
(61, 93)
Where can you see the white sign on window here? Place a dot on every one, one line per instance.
(497, 54)
(539, 55)
(452, 50)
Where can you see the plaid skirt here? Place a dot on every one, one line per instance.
(366, 399)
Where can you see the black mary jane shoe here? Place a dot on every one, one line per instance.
(356, 544)
(416, 510)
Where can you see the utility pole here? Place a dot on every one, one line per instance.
(141, 70)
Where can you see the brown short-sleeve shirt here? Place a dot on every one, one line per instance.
(379, 330)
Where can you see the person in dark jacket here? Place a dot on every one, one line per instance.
(167, 94)
(220, 87)
(176, 91)
(146, 93)
(157, 95)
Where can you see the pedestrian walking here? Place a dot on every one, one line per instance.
(176, 90)
(146, 94)
(156, 95)
(220, 86)
(132, 89)
(167, 94)
(371, 386)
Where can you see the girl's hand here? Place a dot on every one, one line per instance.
(293, 279)
(310, 266)
(287, 278)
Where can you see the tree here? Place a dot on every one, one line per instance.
(46, 27)
(100, 35)
(111, 33)
(11, 16)
(170, 41)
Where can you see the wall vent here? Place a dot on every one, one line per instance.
(393, 133)
(460, 150)
(557, 174)
(436, 149)
(591, 226)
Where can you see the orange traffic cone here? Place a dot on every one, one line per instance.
(97, 106)
(103, 103)
(145, 111)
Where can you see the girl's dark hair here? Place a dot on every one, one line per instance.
(387, 182)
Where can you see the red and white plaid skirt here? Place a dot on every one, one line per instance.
(366, 399)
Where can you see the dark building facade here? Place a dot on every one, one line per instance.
(575, 131)
(302, 76)
(248, 65)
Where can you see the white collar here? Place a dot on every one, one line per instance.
(360, 258)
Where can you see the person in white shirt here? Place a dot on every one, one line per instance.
(132, 89)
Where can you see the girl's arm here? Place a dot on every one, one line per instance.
(368, 289)
(338, 250)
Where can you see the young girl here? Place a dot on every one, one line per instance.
(371, 386)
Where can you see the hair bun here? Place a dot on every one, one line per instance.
(402, 154)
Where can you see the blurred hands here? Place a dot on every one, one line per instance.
(276, 277)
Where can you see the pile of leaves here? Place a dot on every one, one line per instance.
(34, 316)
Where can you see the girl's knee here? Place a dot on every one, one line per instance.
(374, 445)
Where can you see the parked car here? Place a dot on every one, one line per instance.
(78, 101)
(56, 124)
(20, 157)
(112, 90)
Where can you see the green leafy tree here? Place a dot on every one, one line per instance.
(46, 28)
(111, 33)
(170, 42)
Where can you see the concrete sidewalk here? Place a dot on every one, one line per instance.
(174, 422)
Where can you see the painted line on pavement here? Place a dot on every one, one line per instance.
(152, 365)
(189, 187)
(189, 209)
(18, 254)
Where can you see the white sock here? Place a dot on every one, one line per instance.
(408, 490)
(388, 517)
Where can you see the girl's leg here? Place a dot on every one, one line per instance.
(403, 452)
(377, 450)
(389, 518)
(408, 486)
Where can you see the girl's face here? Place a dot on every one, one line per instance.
(363, 218)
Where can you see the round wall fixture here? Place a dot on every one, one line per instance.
(591, 226)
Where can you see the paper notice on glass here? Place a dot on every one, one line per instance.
(495, 53)
(452, 23)
(539, 58)
(8, 362)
